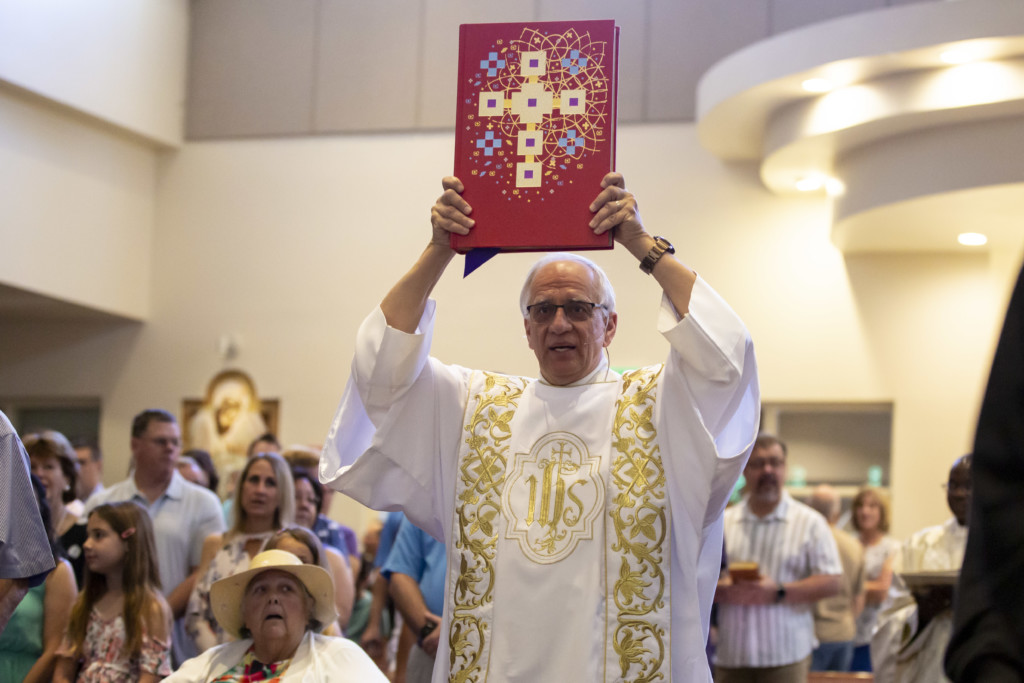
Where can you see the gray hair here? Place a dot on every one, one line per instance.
(606, 294)
(825, 500)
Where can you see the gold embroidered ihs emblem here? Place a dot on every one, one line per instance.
(553, 497)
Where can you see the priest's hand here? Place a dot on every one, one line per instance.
(615, 208)
(450, 213)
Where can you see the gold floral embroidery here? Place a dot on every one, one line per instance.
(639, 626)
(478, 507)
(639, 613)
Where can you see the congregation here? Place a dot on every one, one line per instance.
(847, 608)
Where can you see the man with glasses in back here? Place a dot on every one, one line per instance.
(766, 619)
(581, 511)
(183, 513)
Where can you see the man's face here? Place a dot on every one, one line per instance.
(766, 474)
(158, 447)
(90, 472)
(568, 351)
(958, 492)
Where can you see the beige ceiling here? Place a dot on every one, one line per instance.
(305, 67)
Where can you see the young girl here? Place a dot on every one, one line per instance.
(120, 624)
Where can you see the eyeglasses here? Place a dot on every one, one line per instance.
(164, 442)
(761, 463)
(576, 311)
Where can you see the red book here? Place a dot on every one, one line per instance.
(535, 132)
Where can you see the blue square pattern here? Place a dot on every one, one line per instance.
(569, 141)
(573, 62)
(492, 64)
(488, 143)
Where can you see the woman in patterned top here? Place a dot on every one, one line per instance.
(276, 609)
(120, 624)
(264, 502)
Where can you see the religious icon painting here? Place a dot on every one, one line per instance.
(535, 132)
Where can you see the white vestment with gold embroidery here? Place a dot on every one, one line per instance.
(537, 495)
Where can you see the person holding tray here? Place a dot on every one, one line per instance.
(913, 633)
(582, 510)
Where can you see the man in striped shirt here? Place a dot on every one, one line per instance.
(766, 624)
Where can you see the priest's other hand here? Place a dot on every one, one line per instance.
(450, 213)
(615, 208)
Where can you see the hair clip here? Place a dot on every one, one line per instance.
(128, 533)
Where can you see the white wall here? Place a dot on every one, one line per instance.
(120, 61)
(78, 201)
(289, 243)
(89, 91)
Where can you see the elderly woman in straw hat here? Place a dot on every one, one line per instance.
(276, 609)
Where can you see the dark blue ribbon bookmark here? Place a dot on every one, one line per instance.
(477, 257)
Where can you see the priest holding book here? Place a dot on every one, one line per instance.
(581, 510)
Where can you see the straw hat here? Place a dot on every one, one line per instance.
(226, 594)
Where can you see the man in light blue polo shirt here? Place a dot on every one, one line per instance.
(416, 569)
(183, 513)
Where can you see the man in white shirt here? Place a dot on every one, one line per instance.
(183, 513)
(913, 634)
(766, 624)
(581, 511)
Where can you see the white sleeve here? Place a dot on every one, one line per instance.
(711, 386)
(397, 425)
(196, 670)
(716, 356)
(339, 659)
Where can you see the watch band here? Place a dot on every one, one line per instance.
(780, 594)
(661, 247)
(426, 630)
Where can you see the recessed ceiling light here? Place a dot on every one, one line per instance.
(957, 55)
(817, 85)
(834, 187)
(810, 183)
(971, 239)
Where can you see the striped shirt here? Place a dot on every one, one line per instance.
(790, 543)
(24, 549)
